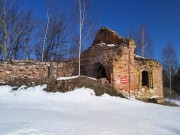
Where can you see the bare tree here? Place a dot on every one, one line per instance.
(74, 46)
(144, 45)
(85, 26)
(170, 63)
(56, 41)
(13, 23)
(22, 48)
(131, 33)
(38, 35)
(45, 36)
(27, 46)
(55, 37)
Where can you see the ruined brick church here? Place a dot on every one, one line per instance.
(112, 57)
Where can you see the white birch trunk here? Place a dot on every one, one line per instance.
(82, 21)
(170, 82)
(80, 34)
(5, 21)
(45, 36)
(143, 45)
(5, 31)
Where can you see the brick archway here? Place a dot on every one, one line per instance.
(101, 71)
(97, 70)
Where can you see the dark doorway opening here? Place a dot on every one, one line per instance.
(97, 70)
(101, 73)
(145, 78)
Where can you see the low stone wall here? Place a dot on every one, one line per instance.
(36, 70)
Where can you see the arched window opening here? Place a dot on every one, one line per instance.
(145, 78)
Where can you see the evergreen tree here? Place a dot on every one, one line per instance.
(169, 64)
(176, 82)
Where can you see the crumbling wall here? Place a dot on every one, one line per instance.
(97, 55)
(108, 36)
(36, 70)
(124, 68)
(155, 87)
(66, 68)
(106, 45)
(23, 69)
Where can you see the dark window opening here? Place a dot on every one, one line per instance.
(101, 72)
(145, 78)
(49, 70)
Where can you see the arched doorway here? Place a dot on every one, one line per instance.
(101, 72)
(97, 71)
(145, 78)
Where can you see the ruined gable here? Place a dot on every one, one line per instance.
(107, 36)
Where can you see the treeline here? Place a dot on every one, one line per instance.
(54, 37)
(23, 35)
(171, 71)
(171, 90)
(16, 28)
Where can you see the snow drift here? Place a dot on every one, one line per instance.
(33, 111)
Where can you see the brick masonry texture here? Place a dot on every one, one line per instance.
(116, 55)
(36, 70)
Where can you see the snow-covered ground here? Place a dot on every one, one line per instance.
(35, 112)
(67, 78)
(175, 101)
(73, 77)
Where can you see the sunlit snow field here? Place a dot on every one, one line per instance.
(35, 112)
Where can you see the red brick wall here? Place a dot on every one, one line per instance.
(32, 69)
(126, 66)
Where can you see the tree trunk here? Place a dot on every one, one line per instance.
(80, 33)
(170, 82)
(45, 36)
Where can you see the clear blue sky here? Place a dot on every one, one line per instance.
(161, 17)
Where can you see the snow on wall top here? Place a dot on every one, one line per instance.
(138, 56)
